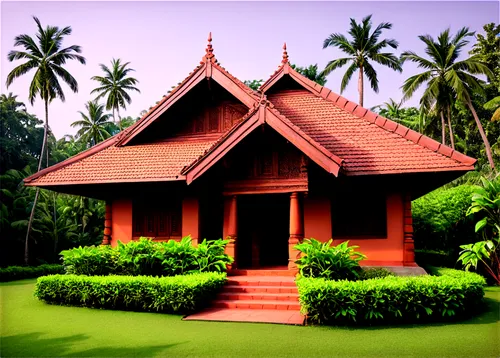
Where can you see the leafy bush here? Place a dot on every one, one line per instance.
(12, 273)
(440, 221)
(320, 259)
(178, 294)
(392, 299)
(147, 257)
(486, 205)
(375, 272)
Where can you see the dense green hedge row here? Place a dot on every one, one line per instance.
(178, 294)
(441, 225)
(391, 299)
(12, 273)
(148, 257)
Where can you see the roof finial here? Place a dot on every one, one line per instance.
(209, 56)
(285, 54)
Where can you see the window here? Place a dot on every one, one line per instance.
(357, 212)
(161, 220)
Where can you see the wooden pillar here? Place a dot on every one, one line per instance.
(296, 229)
(106, 240)
(409, 247)
(232, 229)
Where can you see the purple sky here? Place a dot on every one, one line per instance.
(164, 41)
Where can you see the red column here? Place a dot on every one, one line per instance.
(296, 229)
(409, 247)
(106, 240)
(232, 228)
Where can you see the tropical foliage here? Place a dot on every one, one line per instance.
(362, 50)
(147, 257)
(447, 79)
(94, 124)
(115, 86)
(486, 206)
(321, 259)
(312, 73)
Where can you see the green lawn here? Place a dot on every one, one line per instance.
(31, 328)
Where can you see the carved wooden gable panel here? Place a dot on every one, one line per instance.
(215, 119)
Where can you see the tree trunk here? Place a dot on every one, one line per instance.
(32, 214)
(443, 128)
(481, 131)
(119, 119)
(360, 85)
(452, 137)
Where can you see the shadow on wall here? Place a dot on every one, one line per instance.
(20, 346)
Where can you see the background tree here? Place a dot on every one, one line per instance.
(93, 125)
(487, 50)
(363, 48)
(312, 73)
(253, 84)
(446, 77)
(114, 85)
(48, 58)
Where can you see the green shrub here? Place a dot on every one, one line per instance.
(321, 259)
(440, 222)
(91, 260)
(12, 273)
(375, 272)
(392, 299)
(178, 294)
(148, 257)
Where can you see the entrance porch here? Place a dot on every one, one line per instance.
(263, 229)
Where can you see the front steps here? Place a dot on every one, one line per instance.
(258, 296)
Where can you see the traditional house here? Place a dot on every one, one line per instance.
(216, 159)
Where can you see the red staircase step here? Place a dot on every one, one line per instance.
(273, 272)
(259, 281)
(258, 296)
(263, 289)
(257, 304)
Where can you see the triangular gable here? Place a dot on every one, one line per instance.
(264, 113)
(285, 69)
(208, 69)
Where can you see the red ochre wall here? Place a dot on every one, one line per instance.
(190, 218)
(379, 251)
(121, 221)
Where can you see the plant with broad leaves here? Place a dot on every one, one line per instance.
(485, 202)
(321, 259)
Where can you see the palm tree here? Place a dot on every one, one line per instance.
(114, 85)
(391, 108)
(93, 124)
(311, 72)
(10, 102)
(362, 49)
(446, 78)
(47, 56)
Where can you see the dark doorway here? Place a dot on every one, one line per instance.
(263, 230)
(211, 217)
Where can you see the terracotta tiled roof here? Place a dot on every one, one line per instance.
(368, 145)
(150, 162)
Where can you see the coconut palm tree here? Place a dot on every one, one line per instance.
(93, 124)
(47, 56)
(362, 49)
(447, 78)
(114, 86)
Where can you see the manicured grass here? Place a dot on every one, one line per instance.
(32, 328)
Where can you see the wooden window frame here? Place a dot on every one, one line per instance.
(171, 213)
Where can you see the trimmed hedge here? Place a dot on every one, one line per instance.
(148, 258)
(12, 273)
(177, 294)
(392, 299)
